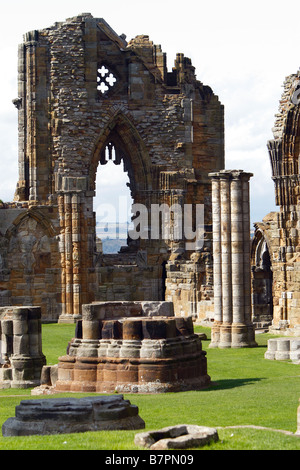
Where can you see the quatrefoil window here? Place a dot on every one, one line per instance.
(105, 79)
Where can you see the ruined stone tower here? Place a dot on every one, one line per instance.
(82, 91)
(275, 248)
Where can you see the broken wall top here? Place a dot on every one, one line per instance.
(81, 86)
(284, 148)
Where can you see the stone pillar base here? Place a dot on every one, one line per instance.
(68, 318)
(129, 348)
(225, 336)
(243, 336)
(215, 335)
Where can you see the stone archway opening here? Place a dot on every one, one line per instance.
(113, 200)
(262, 282)
(120, 153)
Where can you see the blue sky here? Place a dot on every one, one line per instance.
(243, 51)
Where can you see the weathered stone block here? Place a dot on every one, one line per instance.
(284, 348)
(69, 415)
(181, 436)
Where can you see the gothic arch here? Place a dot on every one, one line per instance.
(291, 140)
(260, 244)
(32, 259)
(284, 149)
(121, 132)
(38, 217)
(262, 278)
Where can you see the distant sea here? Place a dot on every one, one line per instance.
(113, 236)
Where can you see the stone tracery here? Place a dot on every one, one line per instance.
(105, 79)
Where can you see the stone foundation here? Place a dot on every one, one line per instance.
(130, 347)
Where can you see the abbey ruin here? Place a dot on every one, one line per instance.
(85, 94)
(83, 91)
(275, 248)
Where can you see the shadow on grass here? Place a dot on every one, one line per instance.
(230, 383)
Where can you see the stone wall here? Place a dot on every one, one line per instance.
(83, 89)
(279, 231)
(30, 262)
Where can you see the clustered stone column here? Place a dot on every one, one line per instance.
(231, 250)
(76, 220)
(21, 347)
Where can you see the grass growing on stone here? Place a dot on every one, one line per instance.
(247, 390)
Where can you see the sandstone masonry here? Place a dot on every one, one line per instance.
(21, 356)
(275, 248)
(83, 90)
(133, 347)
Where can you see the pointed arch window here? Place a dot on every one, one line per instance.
(113, 199)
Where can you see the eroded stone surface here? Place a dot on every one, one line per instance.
(69, 415)
(21, 356)
(177, 437)
(275, 246)
(136, 354)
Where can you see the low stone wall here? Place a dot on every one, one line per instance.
(21, 358)
(130, 347)
(281, 349)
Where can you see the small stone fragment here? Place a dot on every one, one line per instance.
(177, 437)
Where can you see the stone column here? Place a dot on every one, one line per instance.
(22, 333)
(226, 286)
(231, 250)
(76, 253)
(217, 264)
(68, 253)
(61, 245)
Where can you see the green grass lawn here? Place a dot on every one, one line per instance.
(246, 390)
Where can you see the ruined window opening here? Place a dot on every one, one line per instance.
(105, 79)
(262, 283)
(113, 200)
